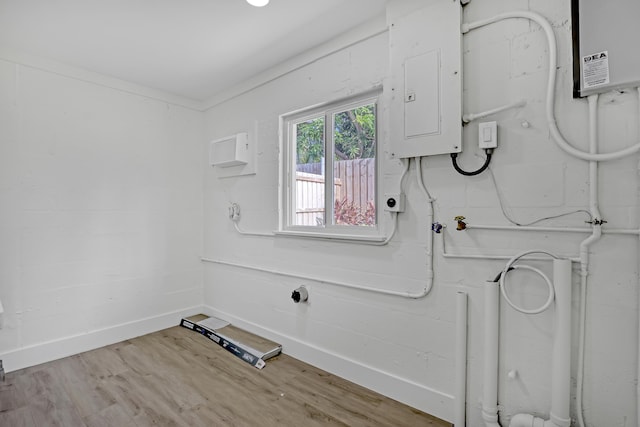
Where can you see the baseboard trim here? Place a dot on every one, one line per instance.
(56, 349)
(416, 395)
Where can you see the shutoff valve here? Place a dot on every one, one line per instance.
(461, 224)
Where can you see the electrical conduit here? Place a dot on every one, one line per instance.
(584, 251)
(459, 412)
(430, 201)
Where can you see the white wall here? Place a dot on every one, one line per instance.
(100, 212)
(404, 348)
(101, 225)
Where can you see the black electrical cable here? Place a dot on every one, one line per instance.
(454, 161)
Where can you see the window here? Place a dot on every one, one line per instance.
(330, 168)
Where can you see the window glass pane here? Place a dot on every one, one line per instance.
(309, 185)
(354, 166)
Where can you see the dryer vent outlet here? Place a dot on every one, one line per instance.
(300, 295)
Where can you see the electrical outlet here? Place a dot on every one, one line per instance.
(488, 135)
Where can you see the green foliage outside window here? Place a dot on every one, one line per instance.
(354, 136)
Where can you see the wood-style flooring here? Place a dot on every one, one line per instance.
(177, 377)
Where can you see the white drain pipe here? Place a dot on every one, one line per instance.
(460, 408)
(561, 362)
(561, 369)
(491, 347)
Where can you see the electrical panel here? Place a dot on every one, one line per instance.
(426, 81)
(605, 37)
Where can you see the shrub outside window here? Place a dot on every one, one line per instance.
(330, 167)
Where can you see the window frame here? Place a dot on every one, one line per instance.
(287, 202)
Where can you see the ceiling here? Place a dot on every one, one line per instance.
(191, 48)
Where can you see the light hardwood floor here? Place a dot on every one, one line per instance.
(177, 377)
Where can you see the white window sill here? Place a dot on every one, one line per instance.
(331, 236)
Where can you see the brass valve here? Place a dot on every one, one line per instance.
(461, 224)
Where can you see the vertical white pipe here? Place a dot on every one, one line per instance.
(638, 370)
(584, 251)
(461, 360)
(491, 347)
(593, 149)
(429, 215)
(561, 368)
(638, 362)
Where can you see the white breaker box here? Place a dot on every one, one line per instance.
(426, 76)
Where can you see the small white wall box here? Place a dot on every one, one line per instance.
(230, 151)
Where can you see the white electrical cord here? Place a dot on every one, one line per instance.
(551, 83)
(510, 265)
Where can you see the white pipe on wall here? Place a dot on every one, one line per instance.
(429, 216)
(466, 118)
(460, 409)
(584, 252)
(403, 294)
(445, 254)
(638, 354)
(627, 231)
(491, 347)
(528, 228)
(561, 368)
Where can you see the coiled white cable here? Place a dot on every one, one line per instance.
(510, 265)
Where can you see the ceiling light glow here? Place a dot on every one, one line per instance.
(258, 3)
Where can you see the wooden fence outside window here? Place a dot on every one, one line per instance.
(354, 181)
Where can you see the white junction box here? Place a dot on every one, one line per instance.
(488, 135)
(394, 202)
(426, 76)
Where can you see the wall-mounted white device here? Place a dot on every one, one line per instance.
(488, 135)
(426, 83)
(300, 295)
(230, 151)
(604, 46)
(394, 202)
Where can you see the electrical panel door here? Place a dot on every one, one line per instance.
(426, 81)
